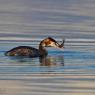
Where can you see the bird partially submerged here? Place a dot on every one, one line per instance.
(28, 51)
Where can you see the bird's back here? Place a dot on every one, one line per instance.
(23, 51)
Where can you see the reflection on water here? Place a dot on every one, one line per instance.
(43, 61)
(35, 65)
(51, 61)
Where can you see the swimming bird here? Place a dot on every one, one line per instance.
(28, 51)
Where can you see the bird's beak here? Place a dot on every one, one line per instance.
(60, 46)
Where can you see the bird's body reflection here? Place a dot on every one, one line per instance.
(51, 61)
(41, 61)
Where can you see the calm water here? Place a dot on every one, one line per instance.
(70, 71)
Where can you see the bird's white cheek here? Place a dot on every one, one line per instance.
(53, 44)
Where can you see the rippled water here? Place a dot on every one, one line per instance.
(70, 71)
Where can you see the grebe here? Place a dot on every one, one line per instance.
(28, 51)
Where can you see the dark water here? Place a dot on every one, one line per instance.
(70, 71)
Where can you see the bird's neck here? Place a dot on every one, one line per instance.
(42, 50)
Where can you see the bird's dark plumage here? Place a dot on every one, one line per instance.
(28, 51)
